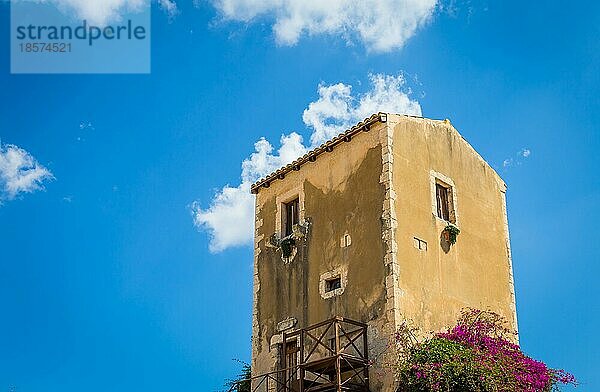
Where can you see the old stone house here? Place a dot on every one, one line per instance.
(353, 238)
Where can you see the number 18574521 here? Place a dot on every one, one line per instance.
(45, 47)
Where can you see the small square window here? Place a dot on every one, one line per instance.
(333, 284)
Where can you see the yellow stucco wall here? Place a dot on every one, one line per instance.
(340, 194)
(477, 270)
(377, 188)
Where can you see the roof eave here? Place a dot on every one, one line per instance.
(311, 156)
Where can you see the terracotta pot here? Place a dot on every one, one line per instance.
(446, 235)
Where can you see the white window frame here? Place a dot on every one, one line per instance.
(339, 272)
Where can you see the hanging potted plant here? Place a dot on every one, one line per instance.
(287, 246)
(450, 233)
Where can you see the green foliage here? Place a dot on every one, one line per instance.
(241, 383)
(451, 361)
(287, 246)
(476, 355)
(452, 232)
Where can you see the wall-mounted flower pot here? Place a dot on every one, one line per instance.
(287, 246)
(450, 233)
(446, 235)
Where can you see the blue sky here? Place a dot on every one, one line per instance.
(107, 280)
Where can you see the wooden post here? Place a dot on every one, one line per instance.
(366, 357)
(282, 375)
(338, 364)
(301, 363)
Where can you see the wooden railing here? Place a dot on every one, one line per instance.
(332, 356)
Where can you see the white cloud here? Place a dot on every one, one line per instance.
(337, 109)
(86, 125)
(84, 128)
(518, 160)
(229, 219)
(382, 25)
(169, 6)
(525, 153)
(102, 12)
(19, 172)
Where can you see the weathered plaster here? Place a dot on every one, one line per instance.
(474, 272)
(378, 188)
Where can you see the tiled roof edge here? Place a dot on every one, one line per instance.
(311, 156)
